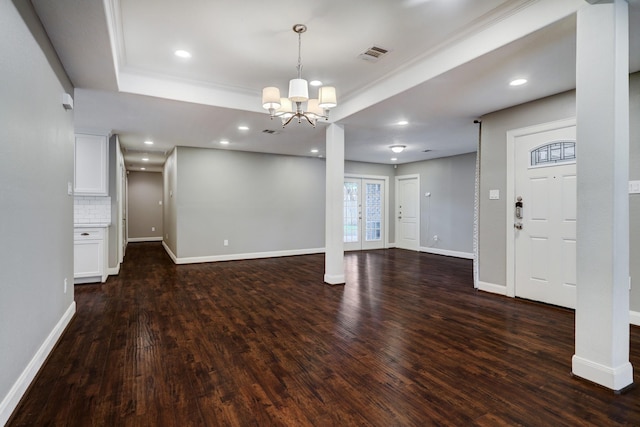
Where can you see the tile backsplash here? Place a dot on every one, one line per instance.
(91, 210)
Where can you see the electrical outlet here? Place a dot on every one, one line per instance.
(226, 242)
(153, 229)
(65, 285)
(435, 238)
(167, 236)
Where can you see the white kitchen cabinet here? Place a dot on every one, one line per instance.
(91, 162)
(89, 255)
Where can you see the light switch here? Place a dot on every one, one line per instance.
(634, 187)
(69, 189)
(494, 194)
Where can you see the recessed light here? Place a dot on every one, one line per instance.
(143, 169)
(224, 142)
(402, 123)
(315, 150)
(145, 159)
(393, 159)
(518, 82)
(149, 142)
(398, 148)
(315, 83)
(182, 53)
(242, 127)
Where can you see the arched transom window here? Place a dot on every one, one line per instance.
(553, 153)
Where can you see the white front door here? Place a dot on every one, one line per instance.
(364, 201)
(408, 212)
(545, 235)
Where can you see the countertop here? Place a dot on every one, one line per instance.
(92, 225)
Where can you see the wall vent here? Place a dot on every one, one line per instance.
(373, 54)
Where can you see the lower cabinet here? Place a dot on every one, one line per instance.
(89, 255)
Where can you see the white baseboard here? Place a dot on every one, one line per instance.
(437, 251)
(113, 271)
(11, 400)
(492, 288)
(334, 279)
(144, 239)
(238, 257)
(634, 318)
(614, 378)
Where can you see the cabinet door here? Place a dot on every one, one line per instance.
(87, 258)
(91, 165)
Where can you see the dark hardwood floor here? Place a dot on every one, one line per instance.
(407, 342)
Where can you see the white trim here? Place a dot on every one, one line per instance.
(614, 378)
(510, 193)
(446, 252)
(11, 400)
(336, 279)
(173, 256)
(238, 257)
(113, 271)
(634, 318)
(492, 288)
(144, 239)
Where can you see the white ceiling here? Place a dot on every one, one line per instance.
(450, 62)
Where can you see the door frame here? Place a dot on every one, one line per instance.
(398, 178)
(385, 243)
(510, 193)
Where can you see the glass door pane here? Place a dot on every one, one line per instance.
(373, 212)
(351, 211)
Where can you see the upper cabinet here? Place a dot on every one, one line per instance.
(91, 177)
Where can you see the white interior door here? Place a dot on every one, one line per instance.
(408, 212)
(364, 201)
(545, 236)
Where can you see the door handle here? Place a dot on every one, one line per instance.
(518, 226)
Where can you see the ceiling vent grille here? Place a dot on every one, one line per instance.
(270, 132)
(426, 151)
(373, 54)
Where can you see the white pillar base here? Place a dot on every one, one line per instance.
(617, 379)
(334, 279)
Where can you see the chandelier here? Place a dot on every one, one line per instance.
(317, 108)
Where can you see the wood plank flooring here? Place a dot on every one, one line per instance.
(407, 342)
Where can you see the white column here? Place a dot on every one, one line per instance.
(334, 246)
(602, 108)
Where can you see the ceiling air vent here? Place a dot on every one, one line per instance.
(270, 132)
(373, 54)
(426, 151)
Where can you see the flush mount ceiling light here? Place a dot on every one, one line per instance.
(182, 54)
(518, 82)
(317, 108)
(149, 142)
(398, 148)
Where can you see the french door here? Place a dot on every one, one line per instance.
(364, 208)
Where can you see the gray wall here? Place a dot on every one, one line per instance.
(258, 202)
(145, 211)
(36, 163)
(448, 212)
(634, 199)
(493, 175)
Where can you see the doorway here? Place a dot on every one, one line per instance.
(365, 213)
(542, 213)
(408, 212)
